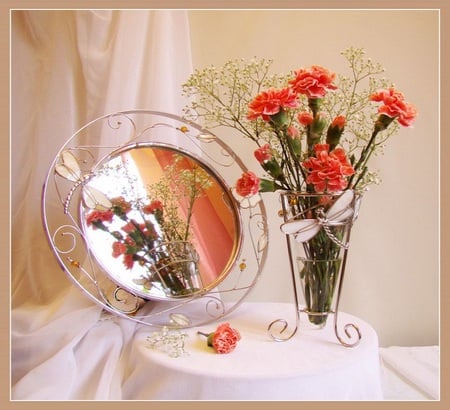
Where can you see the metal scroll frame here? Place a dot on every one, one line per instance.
(280, 335)
(86, 273)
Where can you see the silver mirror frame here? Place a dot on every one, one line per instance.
(63, 213)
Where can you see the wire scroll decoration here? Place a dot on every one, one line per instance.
(79, 203)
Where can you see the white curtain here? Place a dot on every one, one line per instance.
(68, 68)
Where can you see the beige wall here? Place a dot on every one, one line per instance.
(392, 279)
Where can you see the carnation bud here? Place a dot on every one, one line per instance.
(319, 123)
(267, 185)
(305, 118)
(335, 131)
(273, 168)
(117, 235)
(292, 131)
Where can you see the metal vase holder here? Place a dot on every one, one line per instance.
(296, 230)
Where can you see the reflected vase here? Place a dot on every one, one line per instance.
(318, 230)
(175, 267)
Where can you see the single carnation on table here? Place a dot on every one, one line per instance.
(224, 339)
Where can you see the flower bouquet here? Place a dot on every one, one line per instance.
(314, 132)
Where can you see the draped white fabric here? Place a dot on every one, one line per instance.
(68, 68)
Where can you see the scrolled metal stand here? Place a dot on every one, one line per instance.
(277, 329)
(297, 305)
(348, 325)
(72, 189)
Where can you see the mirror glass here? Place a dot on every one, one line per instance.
(159, 221)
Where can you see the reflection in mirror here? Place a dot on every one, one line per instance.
(158, 221)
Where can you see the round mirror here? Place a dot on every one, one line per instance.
(141, 213)
(160, 222)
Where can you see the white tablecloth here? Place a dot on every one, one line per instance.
(312, 365)
(71, 350)
(410, 372)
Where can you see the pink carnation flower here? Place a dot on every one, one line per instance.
(119, 248)
(270, 102)
(305, 118)
(263, 153)
(247, 184)
(128, 261)
(314, 82)
(225, 338)
(155, 205)
(99, 217)
(328, 170)
(129, 227)
(395, 106)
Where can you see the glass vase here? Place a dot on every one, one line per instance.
(318, 230)
(175, 266)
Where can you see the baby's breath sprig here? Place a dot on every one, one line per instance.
(222, 94)
(171, 342)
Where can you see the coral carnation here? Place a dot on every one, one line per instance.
(394, 105)
(247, 184)
(314, 82)
(328, 170)
(98, 217)
(271, 102)
(263, 154)
(155, 205)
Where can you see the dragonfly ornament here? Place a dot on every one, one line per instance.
(338, 214)
(69, 168)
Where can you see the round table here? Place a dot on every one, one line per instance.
(312, 365)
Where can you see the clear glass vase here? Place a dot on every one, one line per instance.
(175, 266)
(318, 230)
(318, 280)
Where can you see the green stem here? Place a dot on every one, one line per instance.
(292, 174)
(365, 155)
(192, 199)
(381, 124)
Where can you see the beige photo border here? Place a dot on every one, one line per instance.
(6, 6)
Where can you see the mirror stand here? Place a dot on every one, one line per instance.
(140, 211)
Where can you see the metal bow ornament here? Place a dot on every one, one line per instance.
(338, 214)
